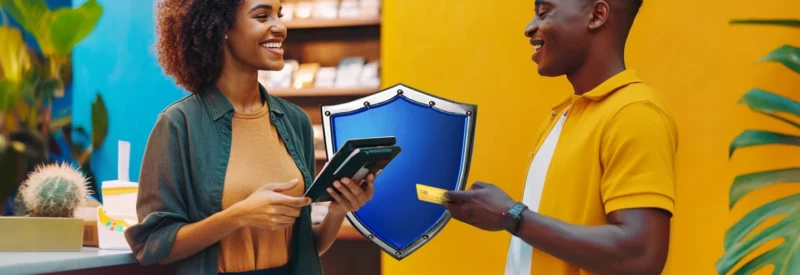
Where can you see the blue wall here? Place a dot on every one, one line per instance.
(117, 60)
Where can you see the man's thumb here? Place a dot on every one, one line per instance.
(280, 187)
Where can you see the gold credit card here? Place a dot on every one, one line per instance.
(430, 194)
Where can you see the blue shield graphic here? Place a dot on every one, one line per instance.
(436, 137)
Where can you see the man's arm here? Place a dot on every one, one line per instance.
(637, 190)
(634, 242)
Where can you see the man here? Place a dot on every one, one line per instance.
(600, 201)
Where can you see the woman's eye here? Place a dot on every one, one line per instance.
(261, 16)
(280, 15)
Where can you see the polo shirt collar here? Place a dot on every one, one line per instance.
(220, 105)
(606, 88)
(612, 84)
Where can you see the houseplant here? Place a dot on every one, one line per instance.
(784, 257)
(29, 81)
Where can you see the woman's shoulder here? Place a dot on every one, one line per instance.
(181, 110)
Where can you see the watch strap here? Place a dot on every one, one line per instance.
(513, 217)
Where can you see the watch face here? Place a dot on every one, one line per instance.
(517, 210)
(512, 218)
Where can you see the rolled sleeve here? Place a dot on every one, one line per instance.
(638, 158)
(160, 205)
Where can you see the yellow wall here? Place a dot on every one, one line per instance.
(475, 51)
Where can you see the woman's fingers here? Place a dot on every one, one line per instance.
(345, 192)
(338, 198)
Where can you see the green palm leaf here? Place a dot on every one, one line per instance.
(774, 22)
(70, 26)
(744, 184)
(784, 257)
(787, 55)
(771, 104)
(756, 137)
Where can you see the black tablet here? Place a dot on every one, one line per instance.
(355, 160)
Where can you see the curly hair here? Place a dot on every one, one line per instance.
(190, 39)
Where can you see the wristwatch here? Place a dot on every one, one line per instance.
(513, 217)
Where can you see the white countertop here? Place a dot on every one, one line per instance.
(13, 263)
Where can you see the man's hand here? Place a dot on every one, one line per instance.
(481, 206)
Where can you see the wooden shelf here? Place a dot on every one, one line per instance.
(330, 23)
(307, 92)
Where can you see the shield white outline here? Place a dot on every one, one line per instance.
(414, 95)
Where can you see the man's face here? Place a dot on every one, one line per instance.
(559, 34)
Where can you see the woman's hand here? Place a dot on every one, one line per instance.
(349, 196)
(268, 209)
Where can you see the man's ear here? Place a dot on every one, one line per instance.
(598, 14)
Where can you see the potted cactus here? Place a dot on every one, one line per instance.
(51, 194)
(54, 190)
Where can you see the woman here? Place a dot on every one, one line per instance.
(225, 168)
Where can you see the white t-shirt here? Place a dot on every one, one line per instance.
(518, 261)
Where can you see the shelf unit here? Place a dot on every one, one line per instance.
(327, 42)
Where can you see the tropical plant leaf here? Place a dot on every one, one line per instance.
(58, 31)
(9, 94)
(770, 104)
(34, 16)
(99, 122)
(757, 137)
(70, 26)
(787, 55)
(782, 257)
(14, 57)
(744, 184)
(27, 13)
(773, 22)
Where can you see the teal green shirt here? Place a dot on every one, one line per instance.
(183, 172)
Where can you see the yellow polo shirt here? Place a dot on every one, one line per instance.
(616, 151)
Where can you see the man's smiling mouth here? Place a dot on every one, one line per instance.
(537, 44)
